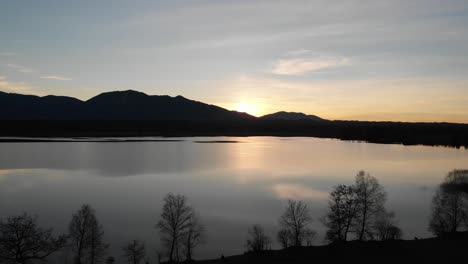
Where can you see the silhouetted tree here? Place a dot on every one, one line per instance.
(258, 240)
(193, 235)
(458, 183)
(296, 219)
(175, 217)
(97, 246)
(285, 238)
(134, 251)
(342, 208)
(22, 241)
(110, 260)
(386, 227)
(371, 198)
(86, 235)
(450, 204)
(308, 236)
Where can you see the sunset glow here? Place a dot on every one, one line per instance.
(301, 56)
(249, 108)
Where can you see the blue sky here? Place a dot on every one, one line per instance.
(351, 59)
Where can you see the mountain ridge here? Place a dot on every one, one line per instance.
(124, 105)
(283, 115)
(115, 105)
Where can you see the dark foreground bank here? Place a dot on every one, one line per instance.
(448, 249)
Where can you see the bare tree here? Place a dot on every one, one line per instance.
(110, 260)
(97, 246)
(342, 208)
(284, 237)
(371, 198)
(258, 240)
(86, 235)
(296, 219)
(22, 241)
(79, 230)
(175, 217)
(386, 227)
(308, 236)
(450, 204)
(134, 251)
(193, 235)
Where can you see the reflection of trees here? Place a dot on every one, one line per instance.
(450, 204)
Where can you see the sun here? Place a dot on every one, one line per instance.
(249, 108)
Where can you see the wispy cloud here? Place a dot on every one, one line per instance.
(20, 68)
(303, 66)
(16, 87)
(57, 78)
(7, 54)
(297, 52)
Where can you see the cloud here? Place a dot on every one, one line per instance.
(303, 66)
(57, 78)
(16, 87)
(297, 52)
(7, 54)
(297, 191)
(2, 78)
(20, 68)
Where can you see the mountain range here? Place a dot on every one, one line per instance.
(135, 114)
(124, 105)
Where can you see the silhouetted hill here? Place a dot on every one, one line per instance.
(30, 107)
(291, 116)
(432, 250)
(122, 105)
(131, 114)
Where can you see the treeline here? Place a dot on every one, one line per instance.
(354, 212)
(432, 134)
(23, 241)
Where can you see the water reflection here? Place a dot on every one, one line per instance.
(233, 185)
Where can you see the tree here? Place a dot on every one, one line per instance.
(175, 218)
(193, 235)
(97, 246)
(86, 235)
(110, 260)
(258, 240)
(284, 237)
(134, 251)
(342, 208)
(386, 227)
(308, 236)
(295, 220)
(371, 198)
(22, 241)
(450, 204)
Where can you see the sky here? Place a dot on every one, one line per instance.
(351, 59)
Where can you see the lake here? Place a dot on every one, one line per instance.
(232, 183)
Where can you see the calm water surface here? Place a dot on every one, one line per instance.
(232, 185)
